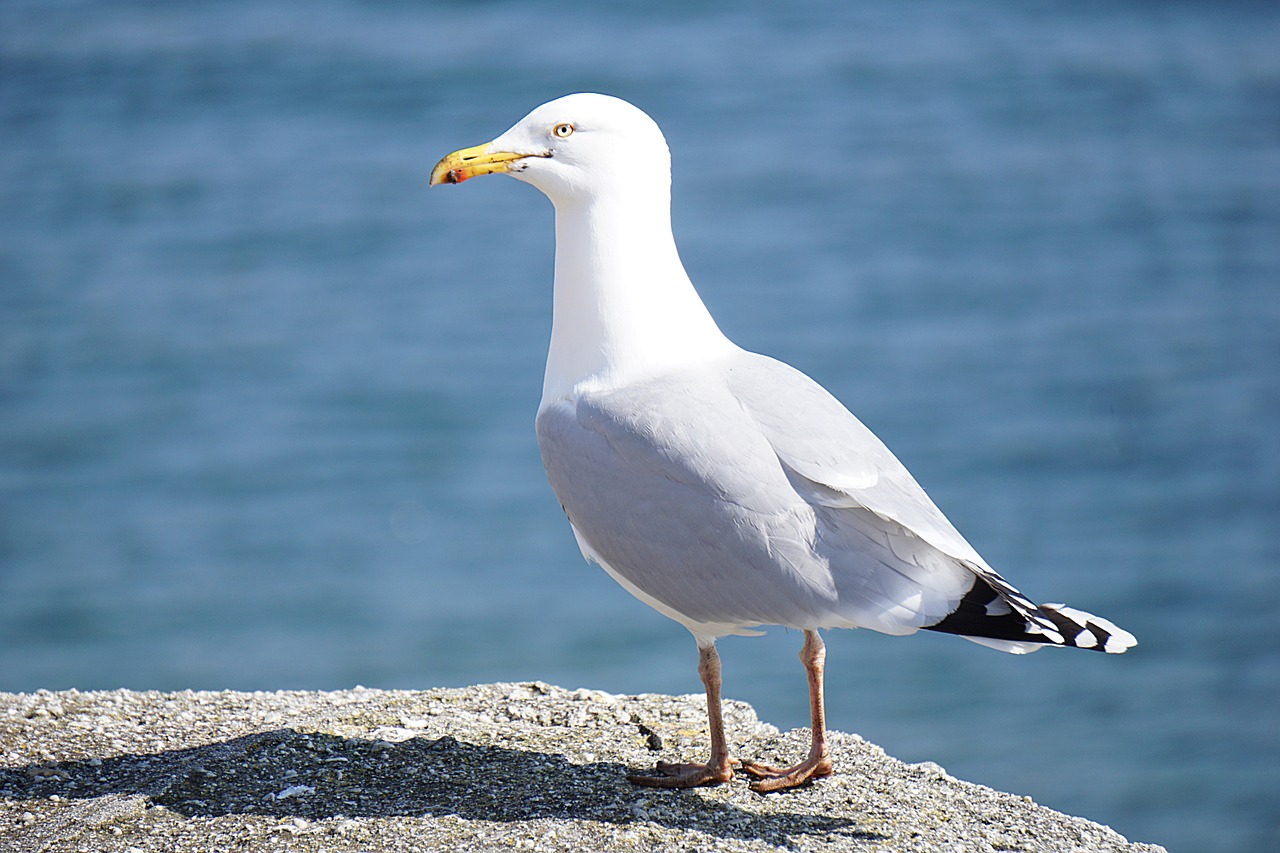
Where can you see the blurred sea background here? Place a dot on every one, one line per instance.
(266, 403)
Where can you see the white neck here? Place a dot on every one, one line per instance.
(624, 306)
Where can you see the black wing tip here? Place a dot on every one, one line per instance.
(995, 611)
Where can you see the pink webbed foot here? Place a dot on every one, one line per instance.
(780, 779)
(683, 776)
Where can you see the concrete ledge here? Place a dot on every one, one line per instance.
(493, 767)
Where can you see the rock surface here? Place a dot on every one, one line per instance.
(493, 767)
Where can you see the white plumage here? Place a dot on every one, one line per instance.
(724, 488)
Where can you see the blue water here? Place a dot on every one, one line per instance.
(266, 403)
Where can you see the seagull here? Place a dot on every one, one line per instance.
(724, 488)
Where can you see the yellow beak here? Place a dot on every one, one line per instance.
(471, 162)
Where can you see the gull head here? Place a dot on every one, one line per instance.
(573, 149)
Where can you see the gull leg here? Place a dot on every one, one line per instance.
(719, 768)
(818, 764)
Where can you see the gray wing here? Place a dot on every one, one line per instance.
(671, 489)
(842, 469)
(705, 491)
(833, 458)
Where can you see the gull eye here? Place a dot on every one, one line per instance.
(563, 130)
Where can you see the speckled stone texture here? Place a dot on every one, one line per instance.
(492, 767)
